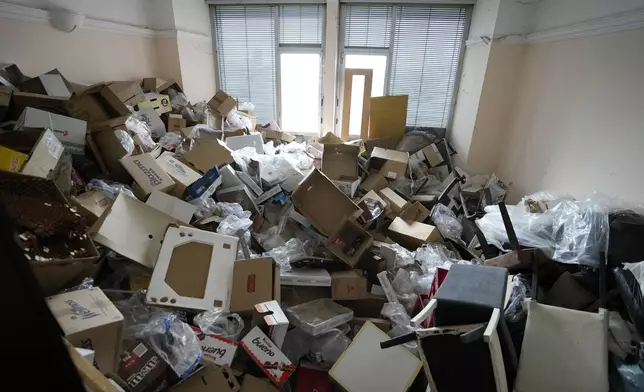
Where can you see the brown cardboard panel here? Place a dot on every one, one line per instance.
(415, 212)
(109, 148)
(412, 234)
(176, 122)
(348, 285)
(93, 201)
(384, 325)
(20, 101)
(187, 273)
(340, 162)
(388, 117)
(391, 163)
(396, 202)
(367, 307)
(222, 103)
(208, 154)
(127, 92)
(254, 281)
(432, 155)
(385, 142)
(374, 182)
(322, 203)
(96, 104)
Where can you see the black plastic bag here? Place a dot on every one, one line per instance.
(629, 290)
(624, 241)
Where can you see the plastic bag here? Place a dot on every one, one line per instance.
(271, 239)
(422, 281)
(206, 207)
(232, 224)
(170, 141)
(532, 230)
(446, 221)
(514, 312)
(401, 323)
(632, 377)
(126, 141)
(619, 336)
(434, 255)
(247, 107)
(629, 291)
(200, 130)
(175, 342)
(110, 189)
(221, 323)
(136, 313)
(403, 256)
(638, 272)
(140, 132)
(177, 99)
(319, 316)
(404, 288)
(87, 283)
(237, 121)
(328, 347)
(283, 255)
(234, 209)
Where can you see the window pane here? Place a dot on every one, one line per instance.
(300, 77)
(376, 63)
(355, 112)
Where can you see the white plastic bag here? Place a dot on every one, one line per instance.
(221, 323)
(446, 221)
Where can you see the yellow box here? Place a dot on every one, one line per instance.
(11, 160)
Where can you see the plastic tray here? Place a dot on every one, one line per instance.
(319, 316)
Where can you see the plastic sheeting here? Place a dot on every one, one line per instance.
(221, 323)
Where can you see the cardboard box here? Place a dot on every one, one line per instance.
(391, 164)
(160, 85)
(413, 235)
(47, 84)
(278, 135)
(129, 93)
(268, 356)
(148, 175)
(143, 369)
(20, 101)
(317, 277)
(296, 295)
(216, 349)
(182, 175)
(43, 148)
(222, 103)
(415, 212)
(70, 131)
(208, 183)
(432, 155)
(208, 154)
(374, 196)
(323, 204)
(374, 182)
(340, 164)
(96, 104)
(133, 229)
(159, 102)
(254, 281)
(349, 242)
(364, 366)
(11, 160)
(170, 205)
(253, 140)
(396, 202)
(176, 122)
(270, 316)
(150, 117)
(209, 379)
(93, 201)
(240, 195)
(89, 320)
(194, 270)
(108, 150)
(348, 285)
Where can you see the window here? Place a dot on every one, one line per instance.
(271, 55)
(413, 50)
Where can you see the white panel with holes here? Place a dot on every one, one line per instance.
(194, 270)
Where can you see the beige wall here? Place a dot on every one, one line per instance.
(578, 123)
(82, 56)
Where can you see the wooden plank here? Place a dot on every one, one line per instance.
(349, 73)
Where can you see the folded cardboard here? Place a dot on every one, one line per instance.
(374, 182)
(415, 212)
(176, 122)
(47, 84)
(348, 285)
(254, 281)
(209, 379)
(222, 103)
(194, 270)
(323, 204)
(391, 164)
(208, 154)
(396, 202)
(93, 201)
(268, 356)
(42, 147)
(143, 369)
(182, 175)
(172, 206)
(89, 320)
(340, 164)
(318, 277)
(411, 234)
(70, 131)
(253, 140)
(216, 349)
(160, 103)
(252, 185)
(129, 93)
(132, 229)
(152, 119)
(349, 242)
(147, 174)
(271, 318)
(96, 104)
(364, 366)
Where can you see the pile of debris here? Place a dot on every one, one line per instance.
(186, 247)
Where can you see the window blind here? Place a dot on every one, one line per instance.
(367, 26)
(301, 25)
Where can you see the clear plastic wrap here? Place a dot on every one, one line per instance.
(532, 229)
(126, 141)
(232, 224)
(295, 153)
(283, 255)
(200, 130)
(514, 312)
(136, 313)
(405, 291)
(328, 347)
(434, 255)
(109, 188)
(178, 100)
(247, 107)
(446, 221)
(403, 256)
(319, 316)
(237, 121)
(87, 283)
(235, 209)
(175, 342)
(632, 377)
(221, 323)
(619, 336)
(271, 239)
(422, 281)
(401, 323)
(206, 207)
(170, 141)
(141, 132)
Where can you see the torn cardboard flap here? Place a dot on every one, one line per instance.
(208, 154)
(254, 281)
(349, 242)
(392, 164)
(172, 206)
(194, 270)
(70, 131)
(96, 104)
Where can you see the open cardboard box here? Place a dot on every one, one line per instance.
(160, 103)
(129, 93)
(392, 164)
(70, 131)
(51, 83)
(222, 103)
(208, 154)
(349, 242)
(148, 175)
(107, 148)
(96, 104)
(340, 164)
(182, 175)
(254, 281)
(34, 153)
(413, 235)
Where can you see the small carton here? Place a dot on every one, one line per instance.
(216, 349)
(129, 93)
(159, 102)
(70, 131)
(268, 356)
(323, 204)
(374, 182)
(413, 235)
(315, 277)
(96, 104)
(374, 196)
(93, 201)
(208, 183)
(150, 117)
(89, 320)
(253, 140)
(147, 174)
(209, 379)
(433, 155)
(415, 212)
(20, 101)
(222, 103)
(194, 270)
(254, 281)
(271, 318)
(208, 154)
(348, 285)
(349, 242)
(391, 164)
(143, 369)
(176, 122)
(340, 164)
(182, 175)
(42, 147)
(11, 160)
(396, 202)
(170, 205)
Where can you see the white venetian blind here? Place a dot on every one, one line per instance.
(246, 55)
(425, 57)
(367, 26)
(301, 24)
